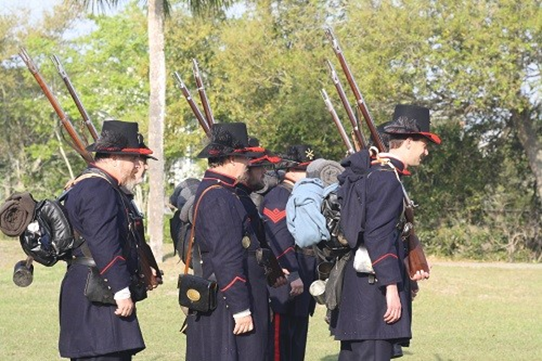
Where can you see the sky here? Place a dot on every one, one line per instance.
(37, 7)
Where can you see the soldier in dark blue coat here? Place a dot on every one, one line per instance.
(98, 212)
(375, 310)
(237, 329)
(291, 304)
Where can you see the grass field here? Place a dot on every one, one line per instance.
(467, 311)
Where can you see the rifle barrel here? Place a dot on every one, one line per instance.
(75, 97)
(78, 144)
(344, 100)
(203, 94)
(338, 122)
(355, 89)
(186, 93)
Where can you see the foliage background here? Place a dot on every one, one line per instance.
(475, 64)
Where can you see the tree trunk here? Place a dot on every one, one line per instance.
(528, 138)
(157, 105)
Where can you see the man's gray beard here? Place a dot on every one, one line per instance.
(131, 184)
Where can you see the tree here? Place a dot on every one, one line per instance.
(30, 159)
(157, 10)
(473, 62)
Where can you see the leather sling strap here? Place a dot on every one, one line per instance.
(193, 230)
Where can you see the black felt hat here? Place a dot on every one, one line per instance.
(411, 120)
(298, 157)
(119, 137)
(144, 146)
(228, 139)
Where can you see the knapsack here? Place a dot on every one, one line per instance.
(351, 194)
(181, 222)
(50, 237)
(313, 210)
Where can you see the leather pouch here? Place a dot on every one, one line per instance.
(96, 289)
(197, 293)
(272, 269)
(334, 284)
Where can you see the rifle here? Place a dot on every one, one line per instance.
(357, 94)
(75, 97)
(78, 143)
(416, 260)
(355, 126)
(192, 104)
(202, 94)
(146, 256)
(338, 123)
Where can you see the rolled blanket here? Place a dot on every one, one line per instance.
(324, 169)
(16, 213)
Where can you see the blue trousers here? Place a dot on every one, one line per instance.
(366, 350)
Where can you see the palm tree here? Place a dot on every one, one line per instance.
(157, 10)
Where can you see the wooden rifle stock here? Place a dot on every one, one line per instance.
(77, 144)
(203, 94)
(75, 97)
(186, 93)
(416, 256)
(353, 121)
(357, 94)
(338, 122)
(147, 261)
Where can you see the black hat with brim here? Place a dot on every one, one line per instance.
(298, 157)
(411, 120)
(119, 137)
(229, 139)
(144, 146)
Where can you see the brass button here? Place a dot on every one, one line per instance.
(246, 242)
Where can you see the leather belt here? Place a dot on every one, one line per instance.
(305, 251)
(84, 261)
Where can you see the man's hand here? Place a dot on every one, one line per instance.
(125, 307)
(243, 325)
(420, 276)
(393, 313)
(158, 278)
(296, 287)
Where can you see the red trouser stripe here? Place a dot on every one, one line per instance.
(277, 337)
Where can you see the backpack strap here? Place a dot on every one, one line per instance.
(387, 162)
(193, 230)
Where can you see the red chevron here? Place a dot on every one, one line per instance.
(274, 215)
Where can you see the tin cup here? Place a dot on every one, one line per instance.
(23, 273)
(318, 290)
(323, 269)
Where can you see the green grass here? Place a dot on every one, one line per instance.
(467, 311)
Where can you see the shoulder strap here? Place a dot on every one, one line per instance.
(386, 161)
(87, 173)
(193, 230)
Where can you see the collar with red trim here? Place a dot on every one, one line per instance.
(397, 164)
(222, 178)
